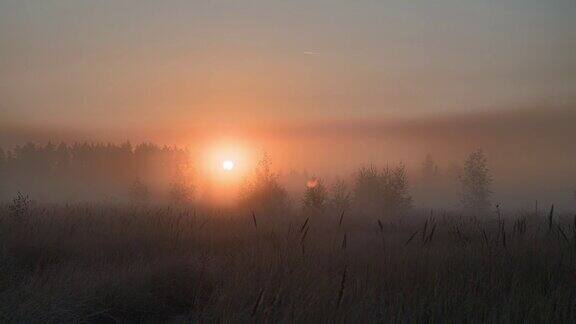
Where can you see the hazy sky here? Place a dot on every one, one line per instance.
(105, 63)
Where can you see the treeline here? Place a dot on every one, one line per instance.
(148, 173)
(375, 192)
(83, 171)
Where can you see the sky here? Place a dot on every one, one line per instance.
(321, 85)
(68, 64)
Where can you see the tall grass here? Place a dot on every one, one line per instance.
(104, 263)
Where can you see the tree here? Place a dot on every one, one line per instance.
(367, 190)
(341, 199)
(262, 192)
(383, 192)
(397, 196)
(181, 189)
(87, 170)
(315, 197)
(476, 181)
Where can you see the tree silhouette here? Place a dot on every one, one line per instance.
(315, 197)
(368, 190)
(397, 196)
(476, 181)
(87, 170)
(382, 192)
(341, 198)
(262, 192)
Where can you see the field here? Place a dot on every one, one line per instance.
(120, 263)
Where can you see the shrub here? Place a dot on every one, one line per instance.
(261, 192)
(382, 192)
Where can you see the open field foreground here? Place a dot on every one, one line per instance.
(118, 264)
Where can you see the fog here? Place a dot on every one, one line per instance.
(530, 151)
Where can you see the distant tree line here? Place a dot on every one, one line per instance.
(145, 172)
(87, 170)
(381, 193)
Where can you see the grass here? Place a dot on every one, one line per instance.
(102, 263)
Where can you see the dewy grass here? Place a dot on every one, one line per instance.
(95, 263)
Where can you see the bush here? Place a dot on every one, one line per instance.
(261, 192)
(382, 193)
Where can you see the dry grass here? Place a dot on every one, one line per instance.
(96, 263)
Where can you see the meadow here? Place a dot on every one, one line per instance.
(288, 161)
(122, 263)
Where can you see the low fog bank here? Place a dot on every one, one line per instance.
(531, 155)
(531, 151)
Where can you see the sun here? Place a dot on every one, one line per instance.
(228, 165)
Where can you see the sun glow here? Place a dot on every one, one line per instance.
(228, 165)
(224, 164)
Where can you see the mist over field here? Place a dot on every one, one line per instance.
(302, 161)
(530, 150)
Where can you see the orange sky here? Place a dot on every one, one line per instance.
(321, 85)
